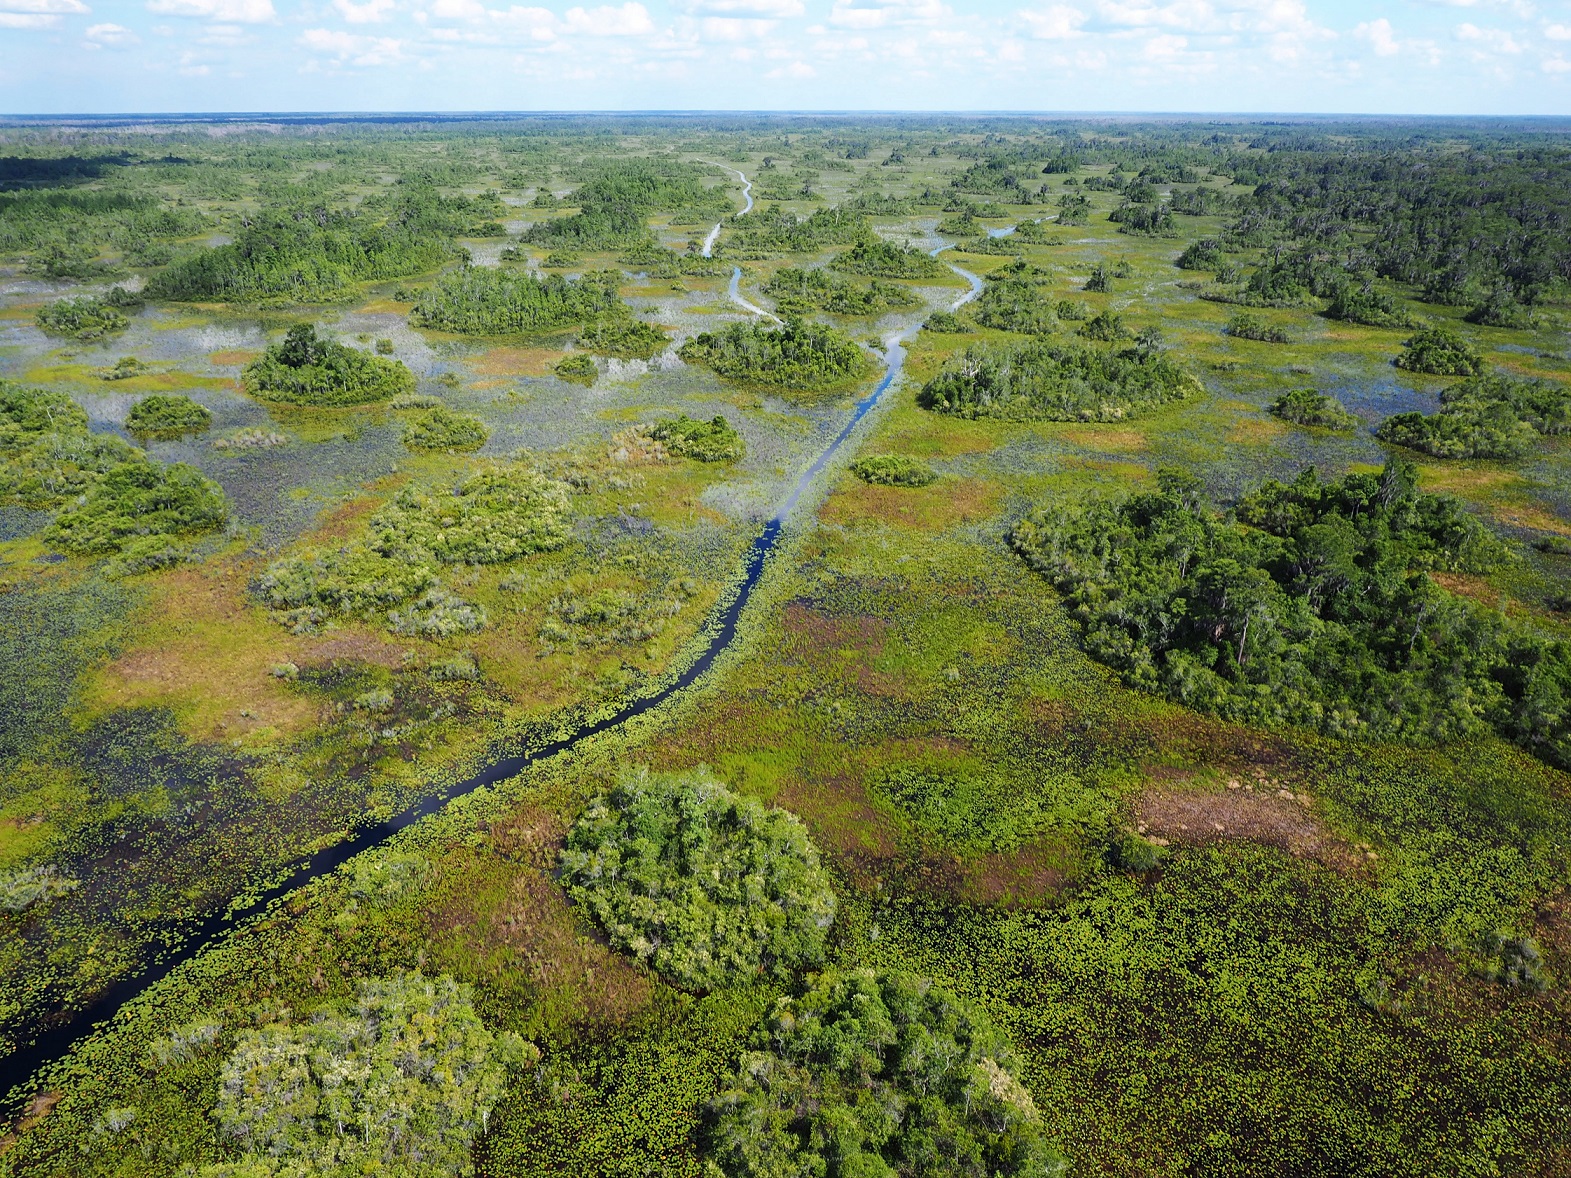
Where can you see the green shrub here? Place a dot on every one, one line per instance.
(796, 291)
(167, 415)
(894, 470)
(878, 1074)
(47, 455)
(137, 500)
(1050, 382)
(1440, 351)
(1071, 312)
(1312, 408)
(706, 441)
(401, 1079)
(1310, 607)
(125, 368)
(1368, 304)
(1015, 304)
(479, 300)
(708, 888)
(1132, 852)
(84, 318)
(1484, 417)
(492, 516)
(885, 259)
(440, 428)
(308, 369)
(800, 356)
(624, 336)
(580, 366)
(1105, 327)
(946, 323)
(1245, 326)
(1205, 254)
(1500, 309)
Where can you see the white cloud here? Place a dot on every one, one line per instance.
(880, 14)
(538, 24)
(796, 71)
(370, 13)
(1380, 35)
(247, 12)
(1558, 32)
(773, 9)
(37, 14)
(110, 35)
(1054, 23)
(1556, 65)
(1489, 40)
(630, 20)
(731, 28)
(1164, 47)
(352, 48)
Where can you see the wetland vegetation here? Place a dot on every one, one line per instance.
(1086, 690)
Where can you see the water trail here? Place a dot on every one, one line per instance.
(55, 1042)
(747, 196)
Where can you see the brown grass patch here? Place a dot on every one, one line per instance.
(1465, 480)
(943, 505)
(233, 358)
(206, 653)
(512, 361)
(1256, 429)
(1532, 515)
(1114, 439)
(1464, 585)
(1257, 811)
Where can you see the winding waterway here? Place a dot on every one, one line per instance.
(55, 1042)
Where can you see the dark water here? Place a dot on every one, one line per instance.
(52, 1044)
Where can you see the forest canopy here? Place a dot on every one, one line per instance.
(799, 356)
(709, 888)
(480, 300)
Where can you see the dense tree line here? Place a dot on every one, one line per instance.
(613, 204)
(310, 369)
(482, 300)
(798, 355)
(797, 291)
(1040, 380)
(1310, 605)
(1485, 417)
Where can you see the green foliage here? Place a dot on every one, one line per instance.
(622, 335)
(287, 259)
(400, 1080)
(494, 515)
(1074, 208)
(1440, 351)
(139, 506)
(480, 300)
(894, 470)
(799, 355)
(714, 440)
(946, 323)
(47, 455)
(796, 291)
(710, 889)
(1245, 326)
(167, 415)
(878, 1074)
(614, 201)
(1501, 309)
(1015, 304)
(1484, 417)
(885, 259)
(579, 366)
(125, 368)
(1310, 609)
(772, 229)
(1144, 219)
(1368, 304)
(84, 318)
(1205, 254)
(1051, 382)
(440, 428)
(1312, 408)
(1105, 327)
(308, 369)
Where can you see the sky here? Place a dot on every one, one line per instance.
(1332, 56)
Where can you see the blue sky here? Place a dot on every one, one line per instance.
(1379, 56)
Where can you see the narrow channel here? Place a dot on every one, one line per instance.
(53, 1044)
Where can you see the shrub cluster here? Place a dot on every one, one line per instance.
(439, 428)
(401, 1079)
(140, 505)
(708, 888)
(1440, 351)
(884, 259)
(479, 300)
(1015, 304)
(1313, 408)
(1051, 382)
(88, 317)
(579, 366)
(493, 515)
(799, 355)
(796, 291)
(167, 415)
(1311, 606)
(1366, 303)
(894, 470)
(1245, 326)
(879, 1073)
(309, 369)
(1484, 417)
(714, 440)
(946, 323)
(624, 336)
